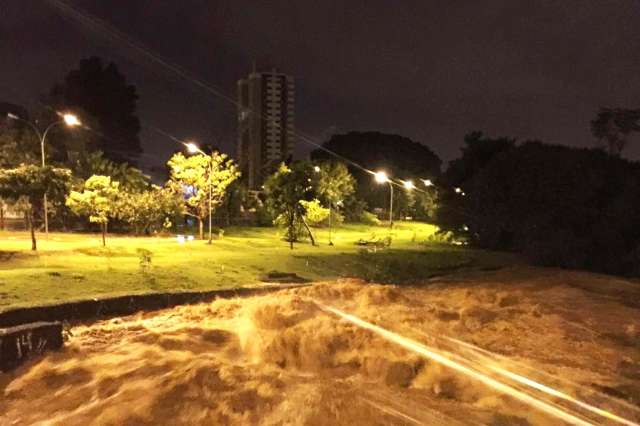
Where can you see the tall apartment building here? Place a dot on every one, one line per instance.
(265, 124)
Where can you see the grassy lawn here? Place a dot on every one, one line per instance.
(76, 266)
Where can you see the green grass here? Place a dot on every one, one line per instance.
(76, 266)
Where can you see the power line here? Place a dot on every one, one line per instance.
(109, 31)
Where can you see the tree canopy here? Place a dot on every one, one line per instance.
(103, 93)
(399, 156)
(195, 177)
(613, 126)
(97, 201)
(285, 192)
(29, 183)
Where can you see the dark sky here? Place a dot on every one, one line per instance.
(429, 70)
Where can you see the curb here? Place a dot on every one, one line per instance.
(124, 305)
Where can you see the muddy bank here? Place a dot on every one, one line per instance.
(281, 359)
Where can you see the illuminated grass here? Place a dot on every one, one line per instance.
(75, 266)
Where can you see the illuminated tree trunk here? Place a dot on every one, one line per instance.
(304, 222)
(31, 229)
(104, 233)
(201, 228)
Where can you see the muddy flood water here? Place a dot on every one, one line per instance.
(514, 347)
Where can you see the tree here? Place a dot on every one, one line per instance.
(335, 183)
(103, 93)
(18, 145)
(477, 151)
(29, 183)
(399, 156)
(97, 201)
(148, 210)
(131, 179)
(612, 127)
(198, 176)
(284, 191)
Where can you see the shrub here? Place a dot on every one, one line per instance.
(368, 218)
(315, 214)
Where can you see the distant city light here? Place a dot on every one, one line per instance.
(381, 177)
(316, 169)
(458, 190)
(427, 182)
(408, 185)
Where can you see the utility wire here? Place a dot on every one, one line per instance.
(110, 32)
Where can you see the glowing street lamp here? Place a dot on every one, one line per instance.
(427, 182)
(316, 169)
(70, 120)
(408, 185)
(194, 149)
(458, 190)
(381, 177)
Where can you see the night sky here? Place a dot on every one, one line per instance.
(429, 70)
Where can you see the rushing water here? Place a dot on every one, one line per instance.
(285, 358)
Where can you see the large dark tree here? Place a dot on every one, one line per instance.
(399, 156)
(477, 151)
(102, 92)
(557, 205)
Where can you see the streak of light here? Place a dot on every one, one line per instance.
(392, 412)
(546, 389)
(437, 357)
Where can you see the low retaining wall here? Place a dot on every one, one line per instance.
(123, 305)
(19, 343)
(31, 331)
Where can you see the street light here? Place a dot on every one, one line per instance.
(408, 185)
(193, 149)
(70, 120)
(381, 177)
(427, 182)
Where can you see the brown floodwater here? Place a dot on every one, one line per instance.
(283, 359)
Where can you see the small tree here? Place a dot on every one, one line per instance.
(198, 176)
(148, 210)
(285, 190)
(612, 127)
(335, 183)
(28, 183)
(97, 201)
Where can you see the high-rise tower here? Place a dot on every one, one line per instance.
(265, 124)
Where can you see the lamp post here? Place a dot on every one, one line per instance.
(71, 121)
(193, 148)
(381, 177)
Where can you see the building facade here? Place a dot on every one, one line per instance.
(266, 132)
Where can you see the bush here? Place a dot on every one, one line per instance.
(263, 216)
(368, 218)
(315, 214)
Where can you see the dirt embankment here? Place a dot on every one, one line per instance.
(280, 359)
